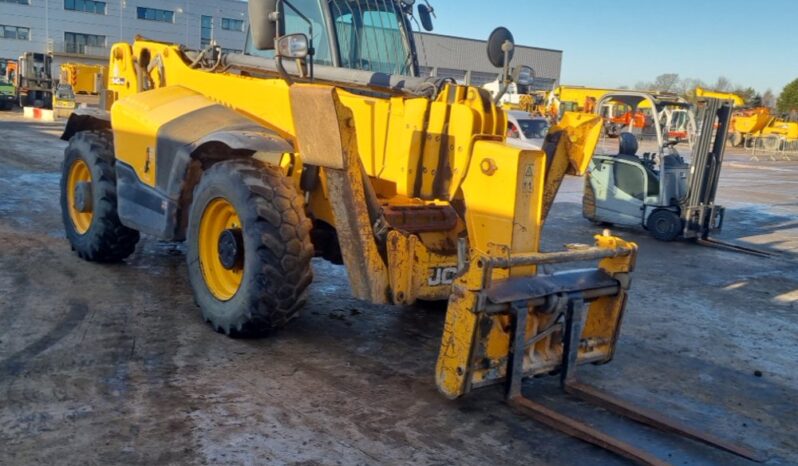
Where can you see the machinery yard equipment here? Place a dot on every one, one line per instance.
(84, 78)
(320, 138)
(7, 94)
(738, 101)
(63, 100)
(34, 80)
(8, 68)
(660, 191)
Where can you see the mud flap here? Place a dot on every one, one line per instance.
(334, 148)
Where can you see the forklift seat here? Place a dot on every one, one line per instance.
(627, 144)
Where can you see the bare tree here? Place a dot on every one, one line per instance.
(668, 82)
(769, 99)
(723, 84)
(688, 86)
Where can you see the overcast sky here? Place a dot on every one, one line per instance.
(622, 42)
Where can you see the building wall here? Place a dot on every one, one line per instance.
(466, 60)
(460, 58)
(184, 28)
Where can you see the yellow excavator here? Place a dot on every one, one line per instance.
(321, 139)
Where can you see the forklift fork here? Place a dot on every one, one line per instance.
(574, 316)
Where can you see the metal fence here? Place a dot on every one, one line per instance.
(771, 148)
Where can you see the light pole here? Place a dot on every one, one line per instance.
(185, 14)
(46, 27)
(122, 5)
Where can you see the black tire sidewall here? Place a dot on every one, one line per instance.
(80, 149)
(669, 220)
(230, 314)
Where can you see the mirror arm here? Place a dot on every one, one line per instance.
(507, 47)
(311, 51)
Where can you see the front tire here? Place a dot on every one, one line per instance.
(664, 225)
(88, 200)
(249, 248)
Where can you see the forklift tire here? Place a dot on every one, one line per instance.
(249, 248)
(664, 225)
(88, 200)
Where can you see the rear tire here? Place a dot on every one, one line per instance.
(265, 286)
(95, 234)
(664, 225)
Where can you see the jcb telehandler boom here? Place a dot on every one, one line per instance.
(320, 139)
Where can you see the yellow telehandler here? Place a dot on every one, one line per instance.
(321, 140)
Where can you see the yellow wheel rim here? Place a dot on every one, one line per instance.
(78, 173)
(219, 215)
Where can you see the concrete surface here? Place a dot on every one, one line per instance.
(106, 364)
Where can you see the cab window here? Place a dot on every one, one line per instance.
(295, 24)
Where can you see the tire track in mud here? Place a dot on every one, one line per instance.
(15, 364)
(22, 276)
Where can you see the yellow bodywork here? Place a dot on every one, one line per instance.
(738, 101)
(444, 155)
(78, 173)
(787, 130)
(751, 121)
(83, 78)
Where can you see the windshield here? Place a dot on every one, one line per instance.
(369, 34)
(534, 129)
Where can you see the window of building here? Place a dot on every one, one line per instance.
(232, 24)
(21, 2)
(89, 6)
(206, 30)
(457, 75)
(154, 14)
(479, 78)
(75, 42)
(14, 32)
(425, 71)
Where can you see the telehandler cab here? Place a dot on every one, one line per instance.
(320, 139)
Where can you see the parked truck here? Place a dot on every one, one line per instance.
(84, 78)
(34, 80)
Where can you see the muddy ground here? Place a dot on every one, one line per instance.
(105, 364)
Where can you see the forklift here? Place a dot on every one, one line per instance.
(660, 190)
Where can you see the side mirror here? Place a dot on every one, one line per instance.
(263, 23)
(425, 15)
(500, 43)
(294, 46)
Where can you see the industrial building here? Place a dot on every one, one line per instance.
(83, 31)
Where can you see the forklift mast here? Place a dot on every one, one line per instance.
(699, 212)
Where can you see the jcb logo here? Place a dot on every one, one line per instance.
(441, 276)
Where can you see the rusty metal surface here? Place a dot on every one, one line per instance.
(319, 144)
(583, 431)
(539, 258)
(657, 420)
(526, 288)
(420, 218)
